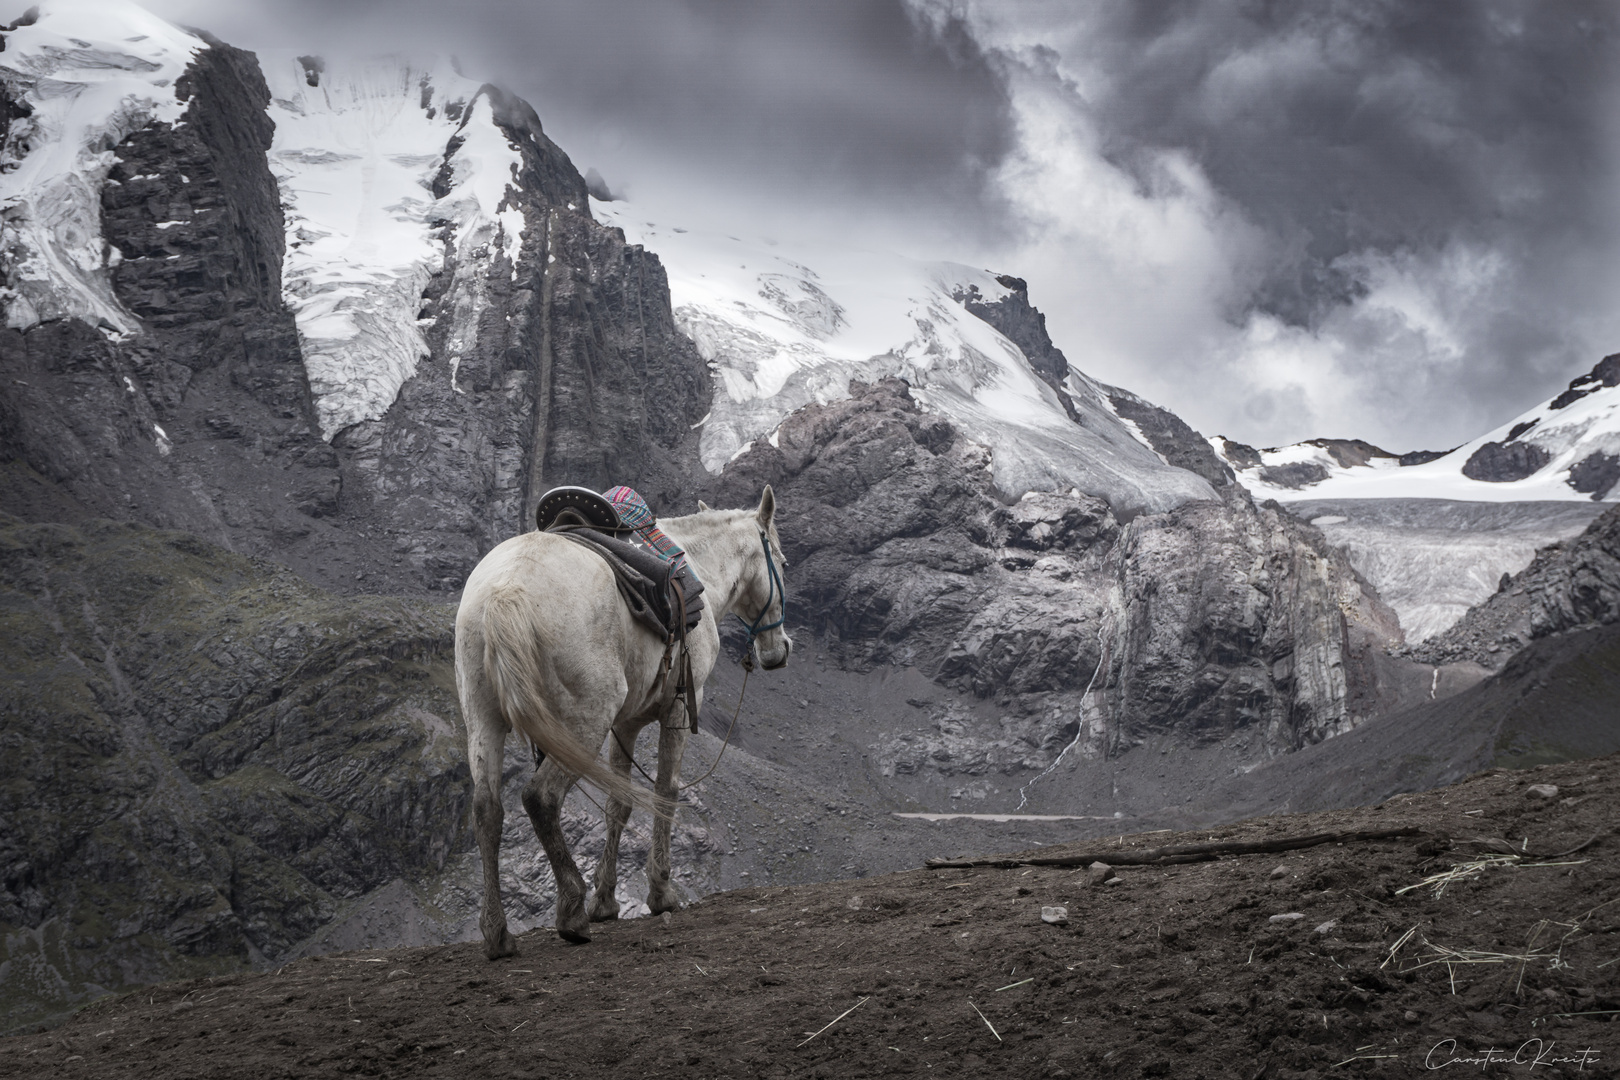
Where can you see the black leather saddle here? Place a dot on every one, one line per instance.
(577, 506)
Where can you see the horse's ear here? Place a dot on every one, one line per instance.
(703, 506)
(767, 507)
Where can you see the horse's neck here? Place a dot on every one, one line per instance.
(718, 543)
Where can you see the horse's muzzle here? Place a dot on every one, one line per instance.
(774, 659)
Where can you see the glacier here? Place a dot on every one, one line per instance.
(1433, 559)
(1432, 539)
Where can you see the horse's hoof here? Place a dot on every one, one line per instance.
(503, 946)
(574, 937)
(606, 911)
(659, 905)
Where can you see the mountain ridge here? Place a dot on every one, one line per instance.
(1568, 447)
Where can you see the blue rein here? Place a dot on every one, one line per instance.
(777, 591)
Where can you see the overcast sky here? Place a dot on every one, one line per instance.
(1392, 221)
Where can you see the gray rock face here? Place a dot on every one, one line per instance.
(170, 425)
(1296, 475)
(1569, 586)
(205, 757)
(1596, 474)
(1025, 326)
(1605, 373)
(1244, 457)
(1172, 437)
(1234, 619)
(1504, 462)
(1215, 620)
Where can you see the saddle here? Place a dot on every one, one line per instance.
(650, 570)
(660, 589)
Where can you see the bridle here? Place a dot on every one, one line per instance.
(755, 627)
(778, 591)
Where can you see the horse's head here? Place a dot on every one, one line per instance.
(764, 591)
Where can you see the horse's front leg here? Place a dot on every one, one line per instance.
(605, 902)
(486, 746)
(542, 798)
(671, 747)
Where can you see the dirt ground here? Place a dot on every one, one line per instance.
(1182, 970)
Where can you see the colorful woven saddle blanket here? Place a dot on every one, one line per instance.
(634, 512)
(650, 569)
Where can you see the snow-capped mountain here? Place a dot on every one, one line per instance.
(391, 171)
(1437, 532)
(1566, 448)
(783, 327)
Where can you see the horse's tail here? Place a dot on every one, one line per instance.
(509, 662)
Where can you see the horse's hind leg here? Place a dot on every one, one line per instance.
(542, 798)
(486, 748)
(671, 748)
(605, 901)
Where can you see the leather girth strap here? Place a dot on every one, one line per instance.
(687, 686)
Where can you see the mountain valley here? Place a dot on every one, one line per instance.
(262, 412)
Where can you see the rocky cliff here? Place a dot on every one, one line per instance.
(201, 412)
(1217, 622)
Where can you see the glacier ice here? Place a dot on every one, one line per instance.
(91, 72)
(1433, 559)
(356, 157)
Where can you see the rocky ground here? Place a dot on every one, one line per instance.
(1482, 941)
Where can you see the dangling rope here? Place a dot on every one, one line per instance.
(723, 746)
(777, 591)
(734, 714)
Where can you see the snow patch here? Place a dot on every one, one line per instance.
(1588, 425)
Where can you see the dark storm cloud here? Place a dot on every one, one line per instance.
(846, 99)
(1348, 127)
(1434, 187)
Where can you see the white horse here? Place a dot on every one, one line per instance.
(546, 646)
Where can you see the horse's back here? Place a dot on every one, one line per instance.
(556, 601)
(556, 575)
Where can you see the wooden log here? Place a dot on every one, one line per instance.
(1179, 853)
